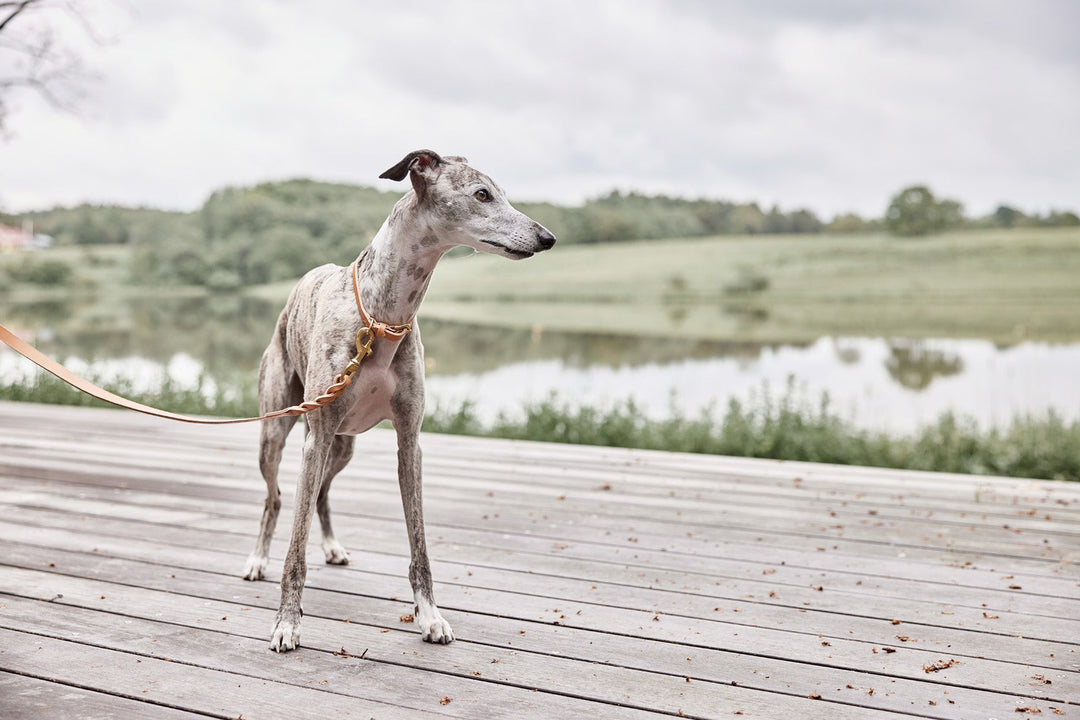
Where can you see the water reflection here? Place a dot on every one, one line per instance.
(877, 383)
(455, 348)
(228, 333)
(995, 385)
(914, 365)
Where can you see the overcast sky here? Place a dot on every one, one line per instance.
(828, 105)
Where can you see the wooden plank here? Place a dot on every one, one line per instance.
(514, 684)
(178, 685)
(933, 620)
(1017, 521)
(660, 570)
(657, 568)
(535, 615)
(740, 493)
(653, 688)
(870, 539)
(696, 541)
(242, 440)
(811, 627)
(29, 698)
(114, 423)
(762, 477)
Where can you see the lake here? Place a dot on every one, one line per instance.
(877, 383)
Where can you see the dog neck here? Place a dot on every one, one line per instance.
(395, 269)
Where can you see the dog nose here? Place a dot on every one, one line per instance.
(545, 238)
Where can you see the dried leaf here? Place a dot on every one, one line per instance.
(940, 665)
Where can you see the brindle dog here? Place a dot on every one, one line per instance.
(450, 204)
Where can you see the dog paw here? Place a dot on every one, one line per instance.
(437, 630)
(335, 553)
(286, 635)
(255, 568)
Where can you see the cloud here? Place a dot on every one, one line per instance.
(831, 105)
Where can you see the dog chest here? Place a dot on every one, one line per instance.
(371, 403)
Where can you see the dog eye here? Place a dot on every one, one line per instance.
(482, 195)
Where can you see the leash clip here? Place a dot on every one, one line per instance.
(365, 337)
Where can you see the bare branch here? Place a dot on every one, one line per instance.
(18, 8)
(36, 60)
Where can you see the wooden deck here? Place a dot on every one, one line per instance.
(581, 583)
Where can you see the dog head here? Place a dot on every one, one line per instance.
(463, 206)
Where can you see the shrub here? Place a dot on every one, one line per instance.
(41, 272)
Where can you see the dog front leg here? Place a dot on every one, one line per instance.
(286, 634)
(433, 627)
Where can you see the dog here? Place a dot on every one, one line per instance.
(319, 330)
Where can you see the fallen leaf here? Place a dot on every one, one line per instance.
(940, 665)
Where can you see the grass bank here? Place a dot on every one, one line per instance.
(782, 429)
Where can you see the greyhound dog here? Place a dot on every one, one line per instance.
(450, 204)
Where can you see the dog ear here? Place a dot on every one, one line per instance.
(415, 164)
(418, 160)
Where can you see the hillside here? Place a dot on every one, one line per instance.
(1005, 285)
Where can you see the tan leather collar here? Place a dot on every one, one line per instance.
(380, 329)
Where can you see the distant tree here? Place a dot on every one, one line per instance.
(952, 213)
(776, 221)
(805, 221)
(747, 219)
(1007, 216)
(606, 224)
(848, 222)
(1062, 219)
(914, 211)
(714, 215)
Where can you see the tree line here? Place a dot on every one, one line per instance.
(276, 231)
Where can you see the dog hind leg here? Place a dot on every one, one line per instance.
(272, 436)
(340, 454)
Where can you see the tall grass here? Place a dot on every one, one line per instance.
(783, 428)
(1045, 447)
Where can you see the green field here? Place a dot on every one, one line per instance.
(1004, 285)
